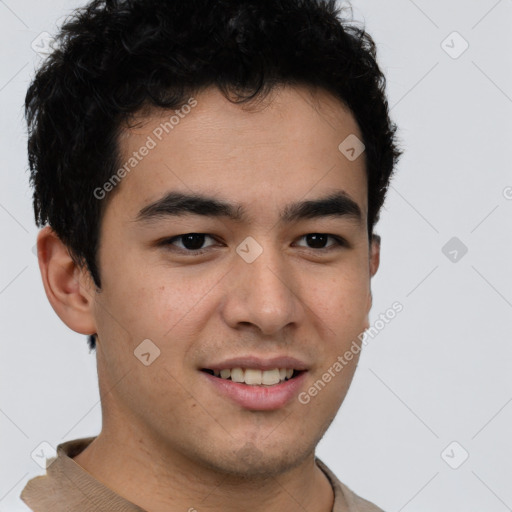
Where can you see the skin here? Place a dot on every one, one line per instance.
(169, 441)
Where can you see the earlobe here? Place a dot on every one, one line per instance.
(66, 285)
(368, 309)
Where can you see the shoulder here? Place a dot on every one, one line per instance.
(344, 497)
(49, 492)
(356, 503)
(41, 493)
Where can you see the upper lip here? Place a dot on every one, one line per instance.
(258, 363)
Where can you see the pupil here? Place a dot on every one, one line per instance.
(193, 241)
(316, 240)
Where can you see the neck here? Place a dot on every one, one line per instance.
(159, 481)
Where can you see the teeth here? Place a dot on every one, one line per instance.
(254, 377)
(237, 375)
(270, 377)
(225, 374)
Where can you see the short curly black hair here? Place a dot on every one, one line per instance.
(115, 58)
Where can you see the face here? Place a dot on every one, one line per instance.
(274, 272)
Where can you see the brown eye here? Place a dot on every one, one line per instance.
(189, 241)
(320, 240)
(317, 240)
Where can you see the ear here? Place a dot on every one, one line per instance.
(374, 262)
(374, 254)
(69, 288)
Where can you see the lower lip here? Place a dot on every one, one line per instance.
(259, 398)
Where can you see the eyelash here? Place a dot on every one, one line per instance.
(340, 242)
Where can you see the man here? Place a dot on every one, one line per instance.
(210, 173)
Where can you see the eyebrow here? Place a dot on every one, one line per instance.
(337, 204)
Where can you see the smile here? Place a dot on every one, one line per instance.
(254, 389)
(255, 376)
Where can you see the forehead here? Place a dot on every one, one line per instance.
(273, 151)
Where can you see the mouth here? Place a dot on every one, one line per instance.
(255, 376)
(255, 389)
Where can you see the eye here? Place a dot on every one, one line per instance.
(189, 242)
(319, 241)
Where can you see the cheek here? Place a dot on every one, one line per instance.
(340, 302)
(165, 302)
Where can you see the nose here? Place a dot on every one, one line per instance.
(262, 294)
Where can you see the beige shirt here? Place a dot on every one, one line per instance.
(68, 487)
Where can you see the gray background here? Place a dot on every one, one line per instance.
(439, 372)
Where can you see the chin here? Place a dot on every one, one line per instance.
(251, 461)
